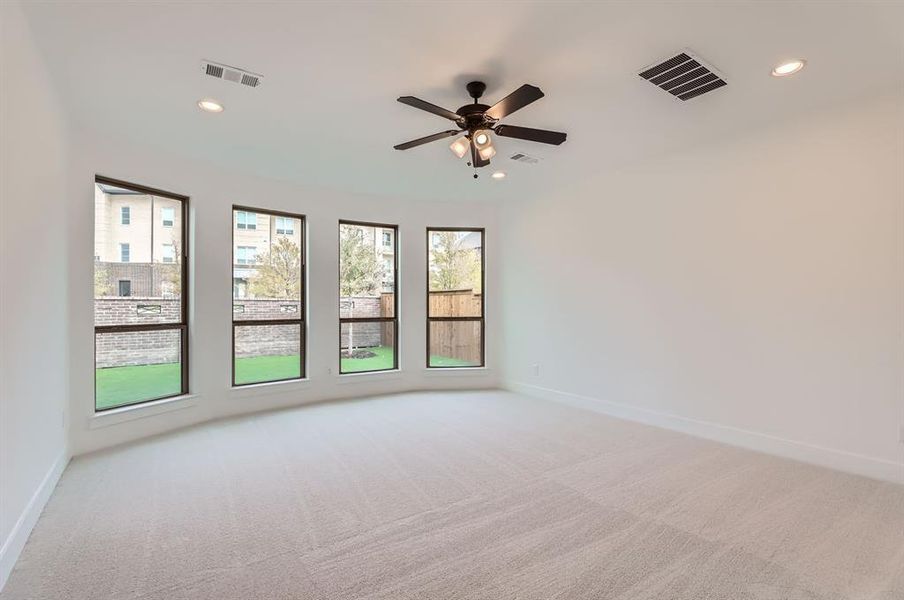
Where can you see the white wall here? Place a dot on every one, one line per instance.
(750, 291)
(33, 286)
(212, 193)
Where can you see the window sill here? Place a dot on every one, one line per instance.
(256, 390)
(369, 376)
(114, 416)
(456, 371)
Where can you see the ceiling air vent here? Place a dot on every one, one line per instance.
(684, 76)
(525, 158)
(233, 74)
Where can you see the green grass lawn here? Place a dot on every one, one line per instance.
(259, 369)
(382, 360)
(118, 386)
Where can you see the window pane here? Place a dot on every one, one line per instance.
(455, 272)
(267, 353)
(266, 271)
(455, 344)
(137, 366)
(367, 346)
(137, 266)
(366, 273)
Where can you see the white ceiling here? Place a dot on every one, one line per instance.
(326, 114)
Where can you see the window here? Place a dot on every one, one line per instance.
(387, 239)
(245, 255)
(285, 226)
(140, 307)
(125, 215)
(245, 220)
(368, 303)
(455, 298)
(268, 336)
(167, 215)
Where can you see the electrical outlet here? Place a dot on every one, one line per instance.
(535, 370)
(329, 370)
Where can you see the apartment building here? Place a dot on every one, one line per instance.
(138, 242)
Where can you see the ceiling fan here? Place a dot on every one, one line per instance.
(476, 121)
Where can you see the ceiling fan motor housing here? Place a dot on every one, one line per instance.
(473, 117)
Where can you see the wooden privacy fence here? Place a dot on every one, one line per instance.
(457, 339)
(387, 302)
(453, 339)
(454, 303)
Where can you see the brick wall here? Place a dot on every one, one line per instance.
(146, 279)
(155, 347)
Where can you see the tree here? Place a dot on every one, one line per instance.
(360, 273)
(102, 284)
(171, 274)
(278, 274)
(453, 266)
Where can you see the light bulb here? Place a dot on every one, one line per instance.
(460, 147)
(482, 139)
(788, 68)
(487, 152)
(208, 105)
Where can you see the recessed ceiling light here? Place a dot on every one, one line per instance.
(788, 68)
(208, 105)
(498, 175)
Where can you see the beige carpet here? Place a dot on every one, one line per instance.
(456, 495)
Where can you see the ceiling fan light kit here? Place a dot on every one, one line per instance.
(476, 121)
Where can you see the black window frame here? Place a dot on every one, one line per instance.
(128, 286)
(483, 296)
(182, 324)
(303, 305)
(394, 319)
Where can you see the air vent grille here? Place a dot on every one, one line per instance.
(525, 158)
(233, 74)
(684, 76)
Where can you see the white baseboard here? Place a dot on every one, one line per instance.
(13, 545)
(840, 460)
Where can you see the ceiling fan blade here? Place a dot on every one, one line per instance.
(520, 98)
(427, 139)
(476, 160)
(431, 108)
(534, 135)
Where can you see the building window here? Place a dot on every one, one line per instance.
(285, 226)
(125, 215)
(245, 220)
(368, 302)
(245, 255)
(387, 239)
(140, 307)
(268, 330)
(455, 298)
(167, 215)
